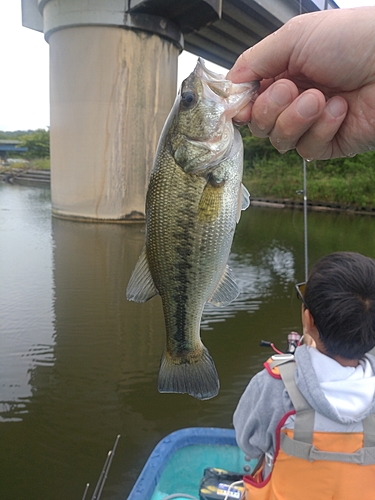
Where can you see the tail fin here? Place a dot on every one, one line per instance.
(198, 378)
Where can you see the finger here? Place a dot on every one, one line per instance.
(318, 142)
(269, 105)
(268, 58)
(263, 60)
(296, 119)
(244, 115)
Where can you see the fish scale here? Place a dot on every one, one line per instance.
(175, 240)
(193, 203)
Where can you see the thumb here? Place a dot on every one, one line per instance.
(267, 59)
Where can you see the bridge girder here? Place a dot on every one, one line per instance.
(223, 29)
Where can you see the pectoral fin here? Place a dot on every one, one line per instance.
(226, 291)
(243, 201)
(141, 287)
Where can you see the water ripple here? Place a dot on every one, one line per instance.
(255, 282)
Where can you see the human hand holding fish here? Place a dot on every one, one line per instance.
(193, 204)
(317, 92)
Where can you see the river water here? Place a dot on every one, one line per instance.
(79, 364)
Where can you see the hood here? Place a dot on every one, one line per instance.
(343, 394)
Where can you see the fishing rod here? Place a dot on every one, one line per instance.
(103, 475)
(305, 233)
(294, 340)
(304, 192)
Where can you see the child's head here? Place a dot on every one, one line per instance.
(340, 295)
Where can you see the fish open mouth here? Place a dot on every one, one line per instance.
(234, 95)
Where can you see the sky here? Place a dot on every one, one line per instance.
(24, 82)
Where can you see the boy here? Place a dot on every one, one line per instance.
(332, 387)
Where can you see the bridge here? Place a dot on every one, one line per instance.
(113, 78)
(10, 146)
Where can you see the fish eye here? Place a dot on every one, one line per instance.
(188, 99)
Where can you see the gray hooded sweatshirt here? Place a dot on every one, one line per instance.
(341, 396)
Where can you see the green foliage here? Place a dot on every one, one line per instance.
(37, 144)
(40, 163)
(256, 149)
(348, 181)
(14, 134)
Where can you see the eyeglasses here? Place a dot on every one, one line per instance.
(300, 289)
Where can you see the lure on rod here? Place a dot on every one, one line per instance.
(103, 475)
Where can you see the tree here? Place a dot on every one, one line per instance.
(37, 144)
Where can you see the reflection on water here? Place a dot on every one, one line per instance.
(254, 282)
(79, 364)
(26, 294)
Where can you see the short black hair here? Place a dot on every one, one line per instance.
(340, 295)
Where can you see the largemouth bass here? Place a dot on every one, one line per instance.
(193, 203)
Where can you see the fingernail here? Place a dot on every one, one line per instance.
(307, 106)
(239, 123)
(336, 107)
(280, 94)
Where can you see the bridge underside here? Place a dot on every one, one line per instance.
(228, 27)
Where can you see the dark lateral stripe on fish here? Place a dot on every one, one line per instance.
(183, 268)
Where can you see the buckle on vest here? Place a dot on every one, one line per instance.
(269, 459)
(283, 357)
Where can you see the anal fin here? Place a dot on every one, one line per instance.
(141, 286)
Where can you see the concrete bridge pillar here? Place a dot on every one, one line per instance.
(113, 80)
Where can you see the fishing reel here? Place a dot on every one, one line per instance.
(294, 340)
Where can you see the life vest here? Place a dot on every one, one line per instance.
(312, 465)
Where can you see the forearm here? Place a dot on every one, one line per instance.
(257, 414)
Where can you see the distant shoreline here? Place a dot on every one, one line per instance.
(311, 205)
(42, 177)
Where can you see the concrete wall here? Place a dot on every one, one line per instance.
(111, 90)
